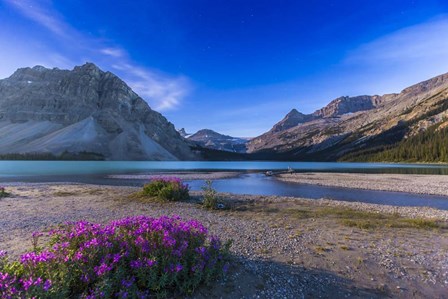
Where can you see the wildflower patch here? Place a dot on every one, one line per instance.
(136, 257)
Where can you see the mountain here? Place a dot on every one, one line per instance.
(212, 140)
(83, 110)
(292, 119)
(355, 128)
(344, 105)
(183, 133)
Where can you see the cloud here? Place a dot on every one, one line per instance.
(114, 52)
(165, 92)
(161, 91)
(383, 65)
(423, 41)
(397, 60)
(43, 15)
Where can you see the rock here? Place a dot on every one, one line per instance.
(292, 119)
(350, 124)
(344, 105)
(213, 140)
(183, 133)
(86, 109)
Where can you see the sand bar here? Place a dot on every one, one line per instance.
(410, 183)
(181, 175)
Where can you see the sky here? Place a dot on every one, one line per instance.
(236, 67)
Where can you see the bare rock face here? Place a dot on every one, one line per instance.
(344, 105)
(183, 133)
(292, 119)
(213, 140)
(51, 111)
(354, 124)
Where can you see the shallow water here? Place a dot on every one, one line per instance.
(263, 185)
(247, 183)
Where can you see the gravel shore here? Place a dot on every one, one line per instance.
(410, 183)
(182, 175)
(282, 247)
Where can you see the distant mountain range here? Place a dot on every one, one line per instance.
(362, 127)
(183, 133)
(85, 110)
(91, 114)
(213, 140)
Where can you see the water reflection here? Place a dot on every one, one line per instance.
(42, 168)
(262, 185)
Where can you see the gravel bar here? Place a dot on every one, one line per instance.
(409, 183)
(273, 256)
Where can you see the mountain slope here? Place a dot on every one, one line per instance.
(350, 125)
(292, 119)
(54, 111)
(183, 133)
(213, 140)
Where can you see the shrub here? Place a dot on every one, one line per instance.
(136, 257)
(3, 192)
(166, 189)
(210, 197)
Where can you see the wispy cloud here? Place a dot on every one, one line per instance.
(400, 58)
(44, 15)
(427, 40)
(160, 90)
(114, 52)
(152, 85)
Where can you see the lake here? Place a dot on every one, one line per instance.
(46, 168)
(251, 180)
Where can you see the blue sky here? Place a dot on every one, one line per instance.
(236, 67)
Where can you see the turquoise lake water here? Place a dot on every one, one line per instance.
(45, 168)
(250, 181)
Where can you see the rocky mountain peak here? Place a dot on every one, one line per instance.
(380, 122)
(427, 85)
(292, 119)
(89, 68)
(39, 68)
(214, 140)
(345, 104)
(207, 133)
(293, 113)
(183, 133)
(84, 103)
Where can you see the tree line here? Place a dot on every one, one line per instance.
(428, 146)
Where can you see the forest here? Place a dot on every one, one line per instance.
(428, 146)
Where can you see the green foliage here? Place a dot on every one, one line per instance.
(136, 257)
(428, 146)
(364, 219)
(3, 192)
(210, 196)
(166, 189)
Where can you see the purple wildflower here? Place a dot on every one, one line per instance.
(102, 269)
(136, 264)
(47, 285)
(133, 245)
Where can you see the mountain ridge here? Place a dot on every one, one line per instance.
(213, 140)
(87, 110)
(350, 124)
(55, 104)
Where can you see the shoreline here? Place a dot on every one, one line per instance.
(282, 246)
(403, 211)
(183, 175)
(407, 183)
